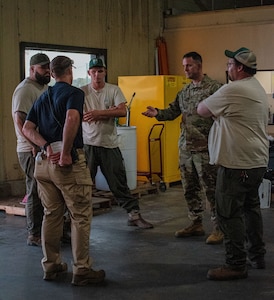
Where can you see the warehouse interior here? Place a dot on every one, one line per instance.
(139, 264)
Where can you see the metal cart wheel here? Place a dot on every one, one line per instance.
(162, 187)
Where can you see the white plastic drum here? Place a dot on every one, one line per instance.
(100, 181)
(127, 145)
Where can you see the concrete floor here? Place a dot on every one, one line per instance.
(139, 264)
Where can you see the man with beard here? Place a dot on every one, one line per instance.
(23, 98)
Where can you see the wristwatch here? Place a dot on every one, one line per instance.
(44, 148)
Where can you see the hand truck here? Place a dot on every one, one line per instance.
(155, 137)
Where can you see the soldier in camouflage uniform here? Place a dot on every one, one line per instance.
(198, 177)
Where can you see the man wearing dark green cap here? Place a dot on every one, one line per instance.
(103, 103)
(25, 94)
(238, 144)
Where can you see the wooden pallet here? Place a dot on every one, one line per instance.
(101, 200)
(100, 205)
(144, 188)
(12, 206)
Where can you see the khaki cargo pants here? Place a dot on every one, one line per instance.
(61, 187)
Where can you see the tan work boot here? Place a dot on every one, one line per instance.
(194, 229)
(34, 240)
(91, 277)
(135, 219)
(61, 268)
(227, 273)
(216, 237)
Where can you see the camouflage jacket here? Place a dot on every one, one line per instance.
(194, 128)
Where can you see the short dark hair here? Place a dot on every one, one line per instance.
(60, 64)
(246, 69)
(194, 55)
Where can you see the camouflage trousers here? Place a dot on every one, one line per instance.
(199, 181)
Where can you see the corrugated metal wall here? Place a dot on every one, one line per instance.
(126, 28)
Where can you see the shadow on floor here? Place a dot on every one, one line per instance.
(140, 264)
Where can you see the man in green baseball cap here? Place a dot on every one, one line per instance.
(25, 94)
(39, 59)
(243, 56)
(239, 146)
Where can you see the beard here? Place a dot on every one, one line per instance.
(41, 79)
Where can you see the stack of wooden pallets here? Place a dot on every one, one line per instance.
(101, 200)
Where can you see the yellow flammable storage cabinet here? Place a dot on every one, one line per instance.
(157, 91)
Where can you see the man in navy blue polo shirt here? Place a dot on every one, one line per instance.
(62, 174)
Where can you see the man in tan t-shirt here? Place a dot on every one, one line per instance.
(103, 103)
(25, 94)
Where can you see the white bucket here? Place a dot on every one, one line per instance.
(127, 145)
(100, 181)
